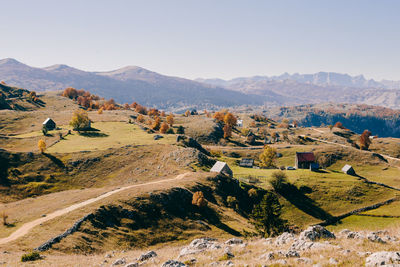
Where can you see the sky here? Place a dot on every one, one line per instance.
(207, 38)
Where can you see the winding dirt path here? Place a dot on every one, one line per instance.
(25, 228)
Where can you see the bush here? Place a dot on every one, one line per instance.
(33, 256)
(80, 120)
(180, 130)
(199, 200)
(170, 131)
(252, 193)
(232, 202)
(278, 179)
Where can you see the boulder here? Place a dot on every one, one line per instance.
(132, 264)
(383, 258)
(315, 232)
(292, 254)
(199, 245)
(172, 263)
(267, 256)
(147, 255)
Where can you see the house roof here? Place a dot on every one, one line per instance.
(47, 120)
(218, 166)
(246, 162)
(346, 168)
(305, 156)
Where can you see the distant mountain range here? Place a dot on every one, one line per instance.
(317, 88)
(149, 88)
(126, 85)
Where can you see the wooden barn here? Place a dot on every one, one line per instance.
(304, 160)
(348, 169)
(49, 124)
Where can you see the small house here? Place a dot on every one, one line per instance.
(303, 160)
(223, 168)
(49, 124)
(239, 123)
(246, 162)
(348, 169)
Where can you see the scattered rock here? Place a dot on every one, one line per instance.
(307, 261)
(132, 264)
(281, 262)
(234, 241)
(119, 262)
(267, 256)
(172, 263)
(292, 254)
(199, 245)
(383, 258)
(229, 263)
(375, 238)
(346, 233)
(228, 253)
(147, 255)
(333, 261)
(315, 232)
(285, 238)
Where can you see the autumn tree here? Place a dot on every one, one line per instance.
(156, 124)
(133, 105)
(170, 119)
(42, 146)
(126, 106)
(100, 111)
(339, 125)
(70, 92)
(162, 114)
(278, 180)
(164, 128)
(187, 113)
(227, 131)
(268, 157)
(141, 109)
(365, 140)
(140, 118)
(80, 120)
(153, 112)
(230, 119)
(199, 200)
(219, 116)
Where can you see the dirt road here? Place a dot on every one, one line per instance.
(25, 228)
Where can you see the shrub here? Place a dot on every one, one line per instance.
(232, 202)
(199, 200)
(170, 131)
(4, 217)
(252, 193)
(33, 256)
(44, 130)
(278, 179)
(170, 119)
(180, 130)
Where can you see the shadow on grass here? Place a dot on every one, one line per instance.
(93, 134)
(238, 143)
(297, 198)
(55, 160)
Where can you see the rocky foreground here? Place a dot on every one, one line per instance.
(316, 246)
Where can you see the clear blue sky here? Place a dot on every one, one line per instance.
(207, 38)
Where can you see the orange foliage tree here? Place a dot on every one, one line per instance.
(156, 124)
(219, 116)
(140, 118)
(164, 128)
(170, 119)
(230, 119)
(42, 146)
(227, 131)
(199, 200)
(365, 141)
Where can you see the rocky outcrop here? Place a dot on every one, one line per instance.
(199, 245)
(383, 258)
(172, 263)
(315, 232)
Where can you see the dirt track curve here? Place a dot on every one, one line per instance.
(25, 228)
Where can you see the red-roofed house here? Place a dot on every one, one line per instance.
(304, 160)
